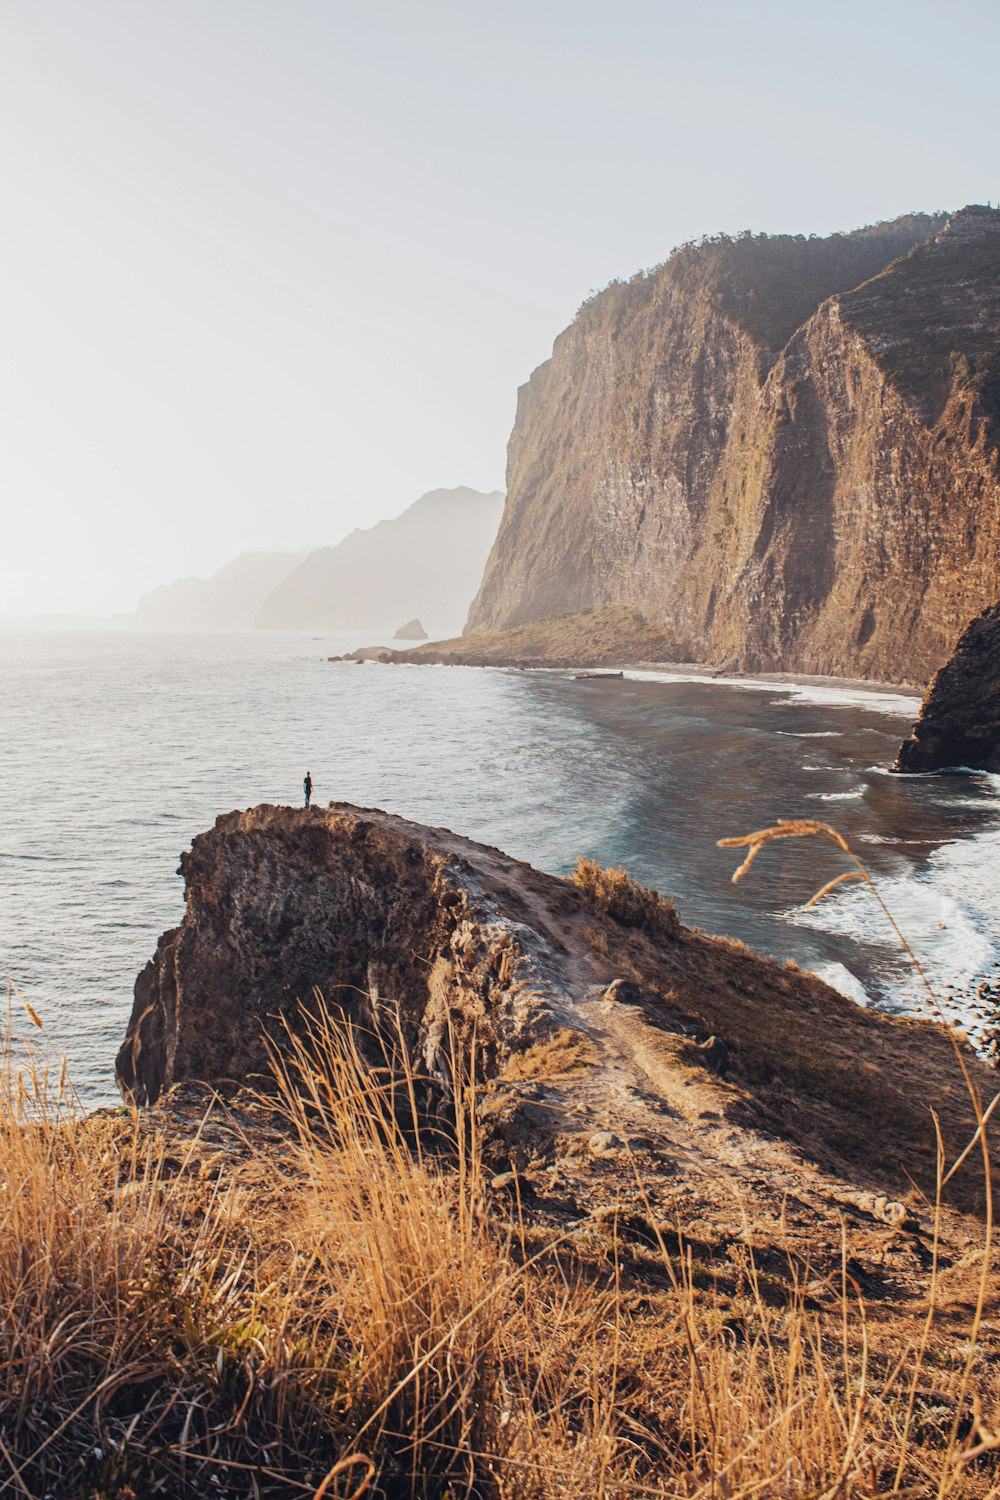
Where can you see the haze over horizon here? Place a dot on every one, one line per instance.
(269, 274)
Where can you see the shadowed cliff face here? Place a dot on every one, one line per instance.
(282, 904)
(959, 722)
(782, 452)
(603, 1037)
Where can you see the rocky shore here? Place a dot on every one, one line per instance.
(620, 1057)
(611, 635)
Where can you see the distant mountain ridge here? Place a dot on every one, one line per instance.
(425, 564)
(228, 600)
(783, 451)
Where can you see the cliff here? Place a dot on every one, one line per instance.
(783, 451)
(425, 564)
(959, 722)
(604, 1032)
(229, 600)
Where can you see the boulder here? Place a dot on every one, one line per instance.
(959, 723)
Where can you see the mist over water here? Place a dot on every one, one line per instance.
(116, 750)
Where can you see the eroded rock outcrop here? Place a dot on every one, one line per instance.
(611, 635)
(783, 451)
(413, 630)
(959, 722)
(364, 909)
(620, 1056)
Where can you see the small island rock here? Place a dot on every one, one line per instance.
(959, 722)
(411, 631)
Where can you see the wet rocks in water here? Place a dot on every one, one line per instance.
(959, 723)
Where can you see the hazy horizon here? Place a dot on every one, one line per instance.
(271, 274)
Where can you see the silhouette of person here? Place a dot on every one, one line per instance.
(307, 787)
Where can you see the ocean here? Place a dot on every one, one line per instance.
(116, 749)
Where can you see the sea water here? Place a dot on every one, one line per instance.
(117, 749)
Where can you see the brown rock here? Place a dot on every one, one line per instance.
(411, 631)
(379, 916)
(782, 451)
(959, 722)
(425, 936)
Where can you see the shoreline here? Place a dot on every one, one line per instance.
(805, 682)
(806, 685)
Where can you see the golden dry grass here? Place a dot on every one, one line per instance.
(616, 894)
(348, 1313)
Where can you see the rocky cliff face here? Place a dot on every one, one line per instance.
(783, 451)
(606, 1033)
(282, 904)
(959, 722)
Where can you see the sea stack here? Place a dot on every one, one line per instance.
(959, 723)
(411, 631)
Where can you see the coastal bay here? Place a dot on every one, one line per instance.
(118, 750)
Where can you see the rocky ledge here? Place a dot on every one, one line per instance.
(623, 1061)
(613, 635)
(959, 722)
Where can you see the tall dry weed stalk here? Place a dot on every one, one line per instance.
(967, 1411)
(441, 1324)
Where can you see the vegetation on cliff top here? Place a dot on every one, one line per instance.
(769, 283)
(940, 330)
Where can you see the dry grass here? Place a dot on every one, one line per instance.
(615, 893)
(351, 1315)
(564, 1054)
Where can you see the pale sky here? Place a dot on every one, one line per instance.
(270, 269)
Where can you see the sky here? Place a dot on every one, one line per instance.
(271, 269)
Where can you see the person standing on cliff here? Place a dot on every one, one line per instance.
(307, 787)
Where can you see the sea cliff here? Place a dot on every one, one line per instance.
(422, 565)
(959, 723)
(544, 1186)
(782, 451)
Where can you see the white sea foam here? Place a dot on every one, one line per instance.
(948, 912)
(843, 981)
(870, 700)
(852, 796)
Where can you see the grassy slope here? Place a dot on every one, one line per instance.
(224, 1308)
(303, 1295)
